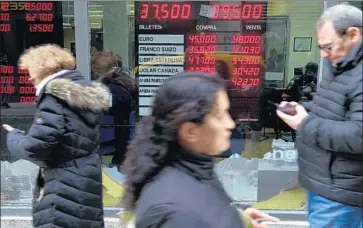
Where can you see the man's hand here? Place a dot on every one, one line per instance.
(8, 127)
(293, 121)
(258, 216)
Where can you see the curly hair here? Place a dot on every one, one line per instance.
(187, 97)
(46, 59)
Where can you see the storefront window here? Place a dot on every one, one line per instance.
(260, 47)
(24, 24)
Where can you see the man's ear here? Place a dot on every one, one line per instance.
(354, 33)
(188, 132)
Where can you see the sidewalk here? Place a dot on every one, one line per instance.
(25, 222)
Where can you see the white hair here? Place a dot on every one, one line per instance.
(342, 16)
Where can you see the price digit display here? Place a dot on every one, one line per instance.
(244, 11)
(166, 11)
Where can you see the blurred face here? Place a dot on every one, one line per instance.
(34, 78)
(212, 137)
(335, 46)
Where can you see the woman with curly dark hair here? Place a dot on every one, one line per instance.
(170, 162)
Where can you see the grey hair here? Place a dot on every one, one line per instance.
(342, 16)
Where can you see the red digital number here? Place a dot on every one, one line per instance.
(236, 11)
(199, 39)
(7, 89)
(201, 60)
(238, 39)
(246, 81)
(38, 6)
(252, 71)
(203, 69)
(245, 49)
(24, 80)
(144, 11)
(165, 11)
(246, 60)
(6, 69)
(4, 6)
(202, 49)
(39, 16)
(5, 28)
(41, 27)
(6, 79)
(4, 16)
(23, 71)
(27, 90)
(27, 100)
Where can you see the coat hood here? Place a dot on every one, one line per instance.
(93, 95)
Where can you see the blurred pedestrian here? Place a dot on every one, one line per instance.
(63, 140)
(170, 162)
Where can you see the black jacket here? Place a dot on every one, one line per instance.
(115, 139)
(63, 140)
(186, 194)
(329, 140)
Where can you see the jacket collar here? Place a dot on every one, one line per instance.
(200, 166)
(44, 82)
(350, 61)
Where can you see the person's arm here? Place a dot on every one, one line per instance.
(42, 137)
(162, 216)
(336, 136)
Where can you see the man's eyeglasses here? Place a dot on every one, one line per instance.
(329, 47)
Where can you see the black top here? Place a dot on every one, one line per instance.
(186, 193)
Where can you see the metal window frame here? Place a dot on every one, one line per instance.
(82, 37)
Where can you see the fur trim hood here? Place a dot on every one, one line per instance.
(94, 96)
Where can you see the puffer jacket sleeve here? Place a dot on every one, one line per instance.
(338, 136)
(164, 216)
(43, 136)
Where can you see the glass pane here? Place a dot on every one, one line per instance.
(24, 24)
(235, 39)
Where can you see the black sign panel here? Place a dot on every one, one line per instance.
(172, 37)
(25, 24)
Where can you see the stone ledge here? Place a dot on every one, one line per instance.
(26, 222)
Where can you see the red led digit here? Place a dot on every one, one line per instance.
(144, 11)
(156, 11)
(236, 12)
(175, 11)
(246, 11)
(27, 90)
(7, 79)
(7, 89)
(216, 11)
(5, 28)
(186, 11)
(27, 100)
(257, 11)
(41, 6)
(7, 69)
(4, 17)
(256, 82)
(164, 11)
(226, 11)
(4, 6)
